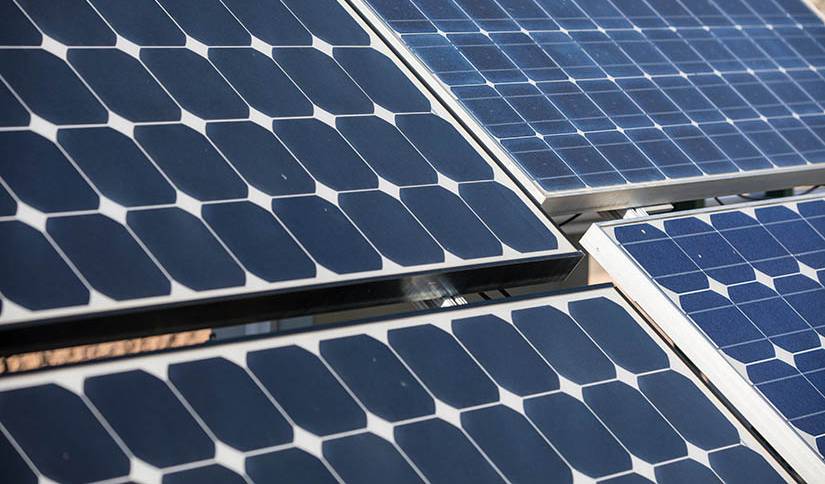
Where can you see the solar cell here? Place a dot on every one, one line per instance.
(740, 290)
(156, 153)
(485, 393)
(615, 103)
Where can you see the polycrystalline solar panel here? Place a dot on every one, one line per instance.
(740, 290)
(161, 152)
(546, 389)
(602, 104)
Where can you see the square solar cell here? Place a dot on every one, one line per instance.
(572, 387)
(521, 70)
(740, 289)
(156, 154)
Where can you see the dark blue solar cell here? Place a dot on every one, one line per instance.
(580, 438)
(259, 242)
(740, 465)
(306, 390)
(323, 80)
(12, 113)
(69, 22)
(487, 14)
(14, 467)
(211, 474)
(693, 281)
(149, 418)
(194, 83)
(797, 283)
(191, 162)
(325, 153)
(575, 105)
(61, 436)
(444, 147)
(451, 222)
(443, 454)
(270, 21)
(391, 228)
(773, 316)
(386, 150)
(443, 59)
(637, 233)
(326, 234)
(810, 360)
(15, 28)
(702, 300)
(185, 248)
(499, 118)
(530, 57)
(260, 158)
(34, 274)
(508, 217)
(514, 446)
(750, 352)
(328, 20)
(709, 250)
(732, 274)
(770, 370)
(506, 356)
(365, 458)
(809, 305)
(230, 403)
(624, 156)
(635, 422)
(382, 80)
(208, 21)
(124, 85)
(794, 397)
(661, 258)
(754, 243)
(141, 21)
(7, 204)
(116, 166)
(726, 326)
(688, 410)
(685, 472)
(487, 58)
(444, 367)
(797, 236)
(686, 226)
(794, 342)
(563, 344)
(108, 257)
(290, 465)
(618, 334)
(377, 378)
(39, 174)
(49, 87)
(261, 82)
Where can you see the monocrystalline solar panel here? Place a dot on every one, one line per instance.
(164, 152)
(740, 290)
(616, 103)
(559, 388)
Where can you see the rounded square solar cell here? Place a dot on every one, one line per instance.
(740, 290)
(156, 154)
(572, 387)
(597, 105)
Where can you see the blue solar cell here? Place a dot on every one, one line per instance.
(185, 248)
(261, 82)
(293, 465)
(506, 355)
(381, 80)
(270, 21)
(107, 256)
(293, 376)
(48, 419)
(443, 453)
(7, 204)
(12, 113)
(259, 242)
(72, 23)
(177, 148)
(514, 446)
(391, 228)
(13, 464)
(15, 27)
(216, 389)
(328, 20)
(141, 21)
(49, 87)
(685, 471)
(211, 473)
(131, 403)
(124, 84)
(366, 457)
(208, 21)
(377, 377)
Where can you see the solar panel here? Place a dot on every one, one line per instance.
(157, 153)
(600, 104)
(560, 388)
(740, 291)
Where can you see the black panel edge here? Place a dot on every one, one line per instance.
(60, 332)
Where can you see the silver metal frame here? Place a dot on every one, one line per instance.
(652, 300)
(594, 199)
